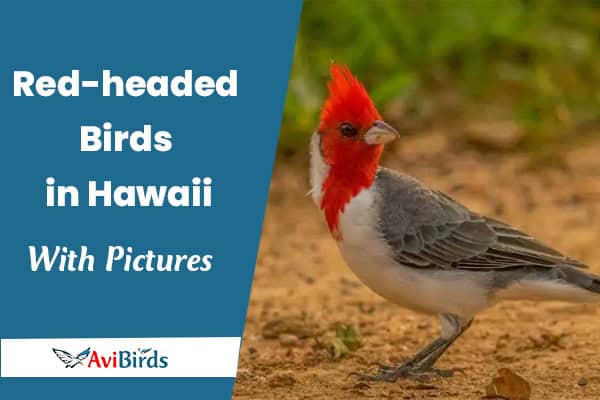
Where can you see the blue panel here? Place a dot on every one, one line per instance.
(230, 139)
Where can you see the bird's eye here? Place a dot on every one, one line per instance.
(348, 130)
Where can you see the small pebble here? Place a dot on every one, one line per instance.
(583, 381)
(288, 340)
(424, 325)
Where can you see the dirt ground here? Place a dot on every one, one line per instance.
(302, 286)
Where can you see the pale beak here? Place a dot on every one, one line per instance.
(381, 133)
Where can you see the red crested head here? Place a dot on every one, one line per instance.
(352, 138)
(348, 101)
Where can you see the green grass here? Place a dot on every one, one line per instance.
(538, 62)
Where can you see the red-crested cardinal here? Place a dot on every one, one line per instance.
(416, 246)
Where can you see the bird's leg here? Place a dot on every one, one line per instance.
(433, 346)
(425, 366)
(420, 367)
(456, 327)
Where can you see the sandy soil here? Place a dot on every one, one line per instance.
(302, 287)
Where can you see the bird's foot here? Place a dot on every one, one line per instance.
(407, 371)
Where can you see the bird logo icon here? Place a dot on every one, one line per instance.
(70, 360)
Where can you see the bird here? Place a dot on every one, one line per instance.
(70, 360)
(416, 246)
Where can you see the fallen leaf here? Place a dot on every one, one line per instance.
(508, 385)
(345, 340)
(348, 334)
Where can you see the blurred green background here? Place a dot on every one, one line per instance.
(531, 66)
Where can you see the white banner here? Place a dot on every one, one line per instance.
(119, 358)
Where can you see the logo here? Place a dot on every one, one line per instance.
(140, 358)
(69, 360)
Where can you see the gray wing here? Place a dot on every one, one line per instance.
(428, 229)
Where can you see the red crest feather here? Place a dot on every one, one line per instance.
(348, 101)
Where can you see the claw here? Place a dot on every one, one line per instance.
(442, 373)
(383, 377)
(383, 368)
(391, 374)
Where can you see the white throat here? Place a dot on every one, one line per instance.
(318, 169)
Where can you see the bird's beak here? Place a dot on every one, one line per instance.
(381, 133)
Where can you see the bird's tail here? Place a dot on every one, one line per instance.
(580, 278)
(561, 282)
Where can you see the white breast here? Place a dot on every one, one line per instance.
(370, 258)
(426, 290)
